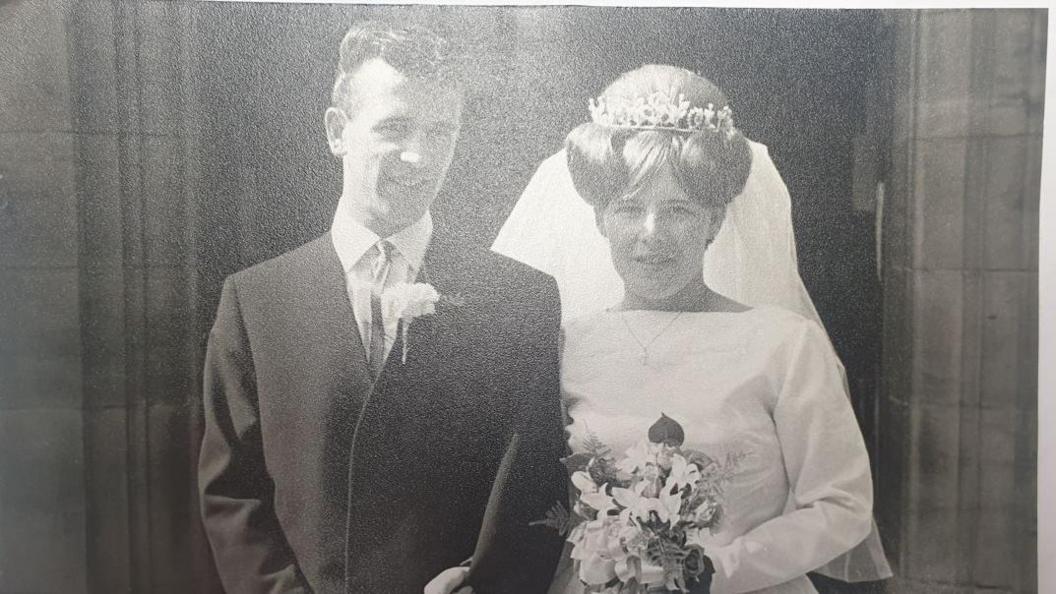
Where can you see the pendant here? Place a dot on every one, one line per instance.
(644, 358)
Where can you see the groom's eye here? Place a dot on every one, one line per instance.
(393, 128)
(441, 132)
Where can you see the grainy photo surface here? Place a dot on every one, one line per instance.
(559, 299)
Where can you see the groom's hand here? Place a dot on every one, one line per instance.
(449, 582)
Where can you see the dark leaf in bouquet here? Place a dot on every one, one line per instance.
(596, 448)
(663, 552)
(702, 460)
(702, 584)
(694, 563)
(698, 571)
(559, 519)
(667, 431)
(602, 471)
(577, 462)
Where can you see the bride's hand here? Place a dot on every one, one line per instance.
(449, 582)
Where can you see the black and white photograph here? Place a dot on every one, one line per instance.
(320, 298)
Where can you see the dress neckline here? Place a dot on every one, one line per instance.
(613, 311)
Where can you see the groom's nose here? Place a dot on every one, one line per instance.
(411, 158)
(412, 152)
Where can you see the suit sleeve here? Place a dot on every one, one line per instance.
(538, 479)
(235, 490)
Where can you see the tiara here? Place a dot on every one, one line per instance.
(659, 112)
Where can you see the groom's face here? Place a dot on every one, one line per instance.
(396, 137)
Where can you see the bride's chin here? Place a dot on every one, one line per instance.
(666, 294)
(645, 296)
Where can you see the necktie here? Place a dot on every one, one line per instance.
(380, 272)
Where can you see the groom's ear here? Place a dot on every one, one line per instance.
(334, 119)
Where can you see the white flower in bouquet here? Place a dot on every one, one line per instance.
(639, 508)
(683, 474)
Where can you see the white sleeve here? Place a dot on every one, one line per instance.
(828, 473)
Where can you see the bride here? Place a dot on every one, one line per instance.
(656, 169)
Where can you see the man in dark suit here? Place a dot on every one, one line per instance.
(355, 420)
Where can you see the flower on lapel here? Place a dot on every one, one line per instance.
(408, 301)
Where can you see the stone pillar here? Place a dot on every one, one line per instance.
(958, 453)
(99, 357)
(42, 465)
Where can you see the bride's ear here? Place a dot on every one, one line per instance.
(599, 220)
(715, 218)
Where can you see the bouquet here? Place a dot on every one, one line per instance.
(638, 523)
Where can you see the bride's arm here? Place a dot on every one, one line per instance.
(828, 472)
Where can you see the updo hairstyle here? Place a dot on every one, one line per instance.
(609, 161)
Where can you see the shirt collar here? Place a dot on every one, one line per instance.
(352, 240)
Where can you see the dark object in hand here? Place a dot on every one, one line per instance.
(487, 557)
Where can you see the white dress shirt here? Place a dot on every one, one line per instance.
(355, 248)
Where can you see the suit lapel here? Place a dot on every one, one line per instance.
(386, 452)
(325, 302)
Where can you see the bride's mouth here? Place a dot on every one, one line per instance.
(653, 259)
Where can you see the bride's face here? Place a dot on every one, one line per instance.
(657, 236)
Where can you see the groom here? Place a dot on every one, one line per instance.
(354, 424)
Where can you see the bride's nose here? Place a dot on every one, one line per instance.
(648, 226)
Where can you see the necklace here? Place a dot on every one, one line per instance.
(644, 357)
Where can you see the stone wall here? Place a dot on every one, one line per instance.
(99, 353)
(43, 507)
(958, 451)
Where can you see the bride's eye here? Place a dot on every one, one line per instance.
(682, 210)
(627, 209)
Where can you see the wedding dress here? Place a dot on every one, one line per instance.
(762, 387)
(722, 397)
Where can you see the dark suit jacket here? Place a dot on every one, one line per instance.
(315, 479)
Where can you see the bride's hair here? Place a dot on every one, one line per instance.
(610, 161)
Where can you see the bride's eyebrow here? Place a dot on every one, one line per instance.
(681, 201)
(624, 199)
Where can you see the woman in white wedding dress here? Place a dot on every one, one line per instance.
(658, 166)
(731, 349)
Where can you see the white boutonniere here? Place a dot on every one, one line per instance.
(407, 302)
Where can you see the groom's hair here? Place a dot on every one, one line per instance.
(413, 50)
